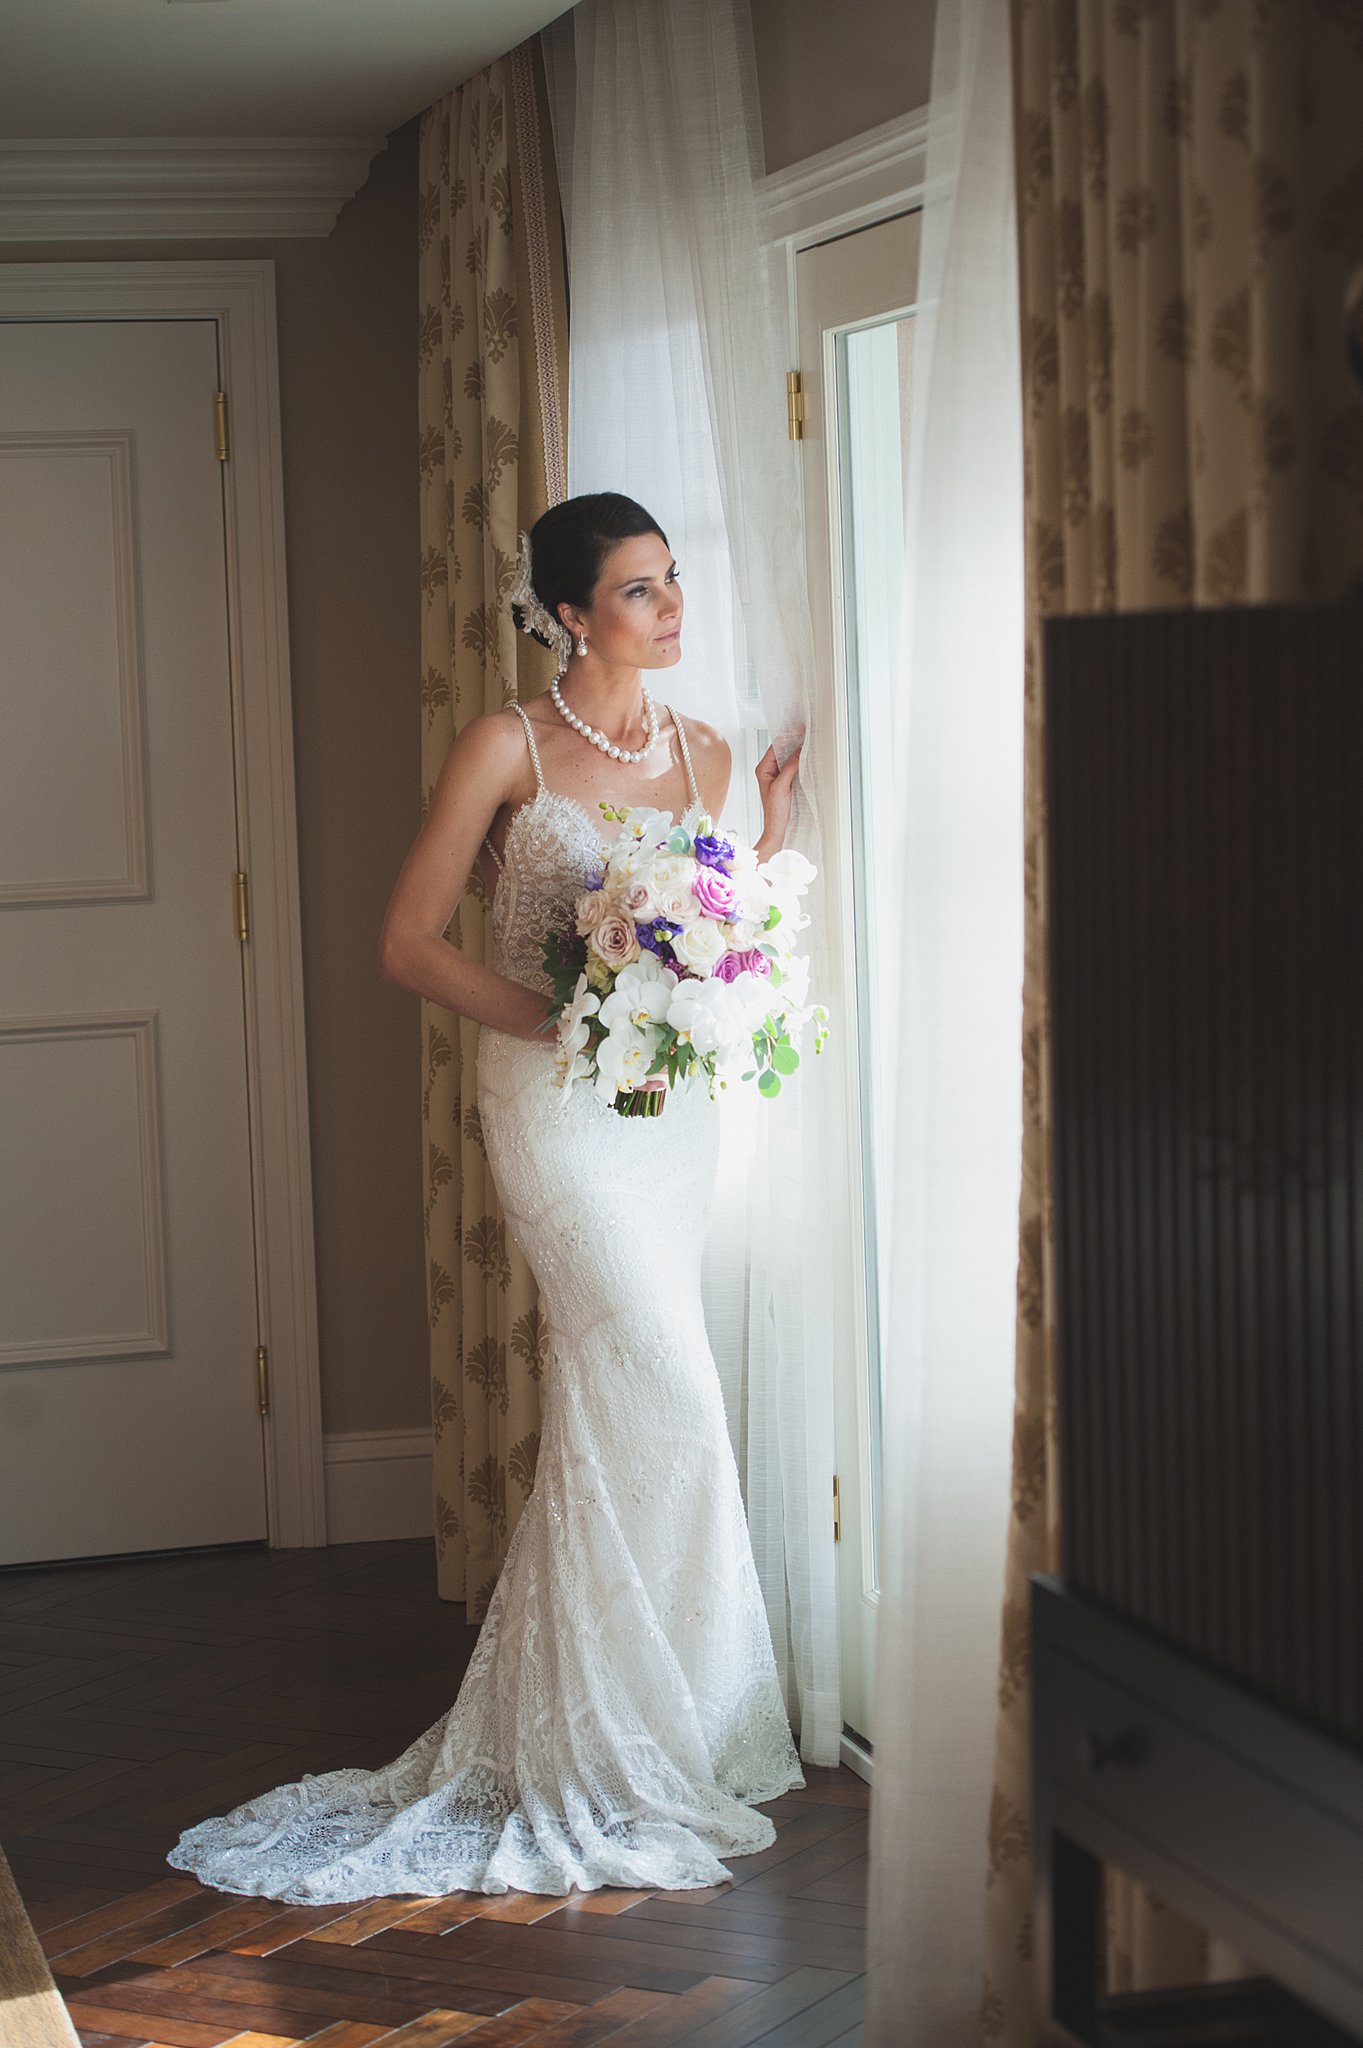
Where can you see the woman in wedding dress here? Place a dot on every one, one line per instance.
(621, 1716)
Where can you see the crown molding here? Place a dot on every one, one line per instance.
(138, 188)
(851, 185)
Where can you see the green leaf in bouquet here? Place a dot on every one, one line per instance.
(773, 917)
(751, 1075)
(769, 1084)
(785, 1059)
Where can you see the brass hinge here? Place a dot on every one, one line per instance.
(795, 406)
(837, 1511)
(220, 425)
(243, 917)
(263, 1379)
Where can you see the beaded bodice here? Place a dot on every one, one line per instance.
(552, 843)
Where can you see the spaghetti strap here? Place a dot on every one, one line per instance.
(686, 754)
(524, 717)
(539, 775)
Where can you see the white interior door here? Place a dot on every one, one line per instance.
(854, 297)
(128, 1411)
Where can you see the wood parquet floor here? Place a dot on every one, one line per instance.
(138, 1697)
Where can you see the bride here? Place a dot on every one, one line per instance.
(620, 1717)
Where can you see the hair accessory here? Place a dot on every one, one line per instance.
(536, 617)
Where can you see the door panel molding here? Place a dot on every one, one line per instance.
(141, 1214)
(126, 801)
(239, 296)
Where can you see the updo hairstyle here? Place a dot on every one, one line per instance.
(569, 544)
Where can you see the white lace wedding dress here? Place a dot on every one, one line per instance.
(621, 1712)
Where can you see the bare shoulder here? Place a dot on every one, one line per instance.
(492, 743)
(706, 742)
(487, 759)
(493, 732)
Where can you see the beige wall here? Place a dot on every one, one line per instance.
(347, 347)
(347, 343)
(827, 69)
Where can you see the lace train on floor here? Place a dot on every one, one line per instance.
(621, 1713)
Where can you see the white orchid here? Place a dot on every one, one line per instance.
(794, 989)
(788, 871)
(623, 1059)
(573, 1063)
(582, 1004)
(641, 994)
(710, 1015)
(636, 847)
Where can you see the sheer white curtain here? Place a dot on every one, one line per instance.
(955, 1155)
(677, 397)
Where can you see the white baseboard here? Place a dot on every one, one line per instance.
(857, 1758)
(378, 1485)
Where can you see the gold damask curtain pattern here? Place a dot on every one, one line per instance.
(492, 410)
(1190, 200)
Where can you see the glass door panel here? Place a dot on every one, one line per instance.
(854, 298)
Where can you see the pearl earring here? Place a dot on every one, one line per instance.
(582, 643)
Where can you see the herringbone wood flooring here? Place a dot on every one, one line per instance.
(138, 1697)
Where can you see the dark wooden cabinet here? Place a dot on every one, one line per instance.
(1204, 788)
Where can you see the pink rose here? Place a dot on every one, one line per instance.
(734, 964)
(637, 899)
(714, 892)
(614, 940)
(591, 908)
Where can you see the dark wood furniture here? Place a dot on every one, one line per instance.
(1198, 1666)
(1238, 1814)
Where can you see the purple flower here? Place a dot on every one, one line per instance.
(713, 851)
(656, 935)
(734, 964)
(594, 882)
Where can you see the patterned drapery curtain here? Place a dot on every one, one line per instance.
(492, 410)
(1190, 199)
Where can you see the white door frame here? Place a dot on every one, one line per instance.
(856, 184)
(240, 297)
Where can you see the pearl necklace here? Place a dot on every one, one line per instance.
(600, 739)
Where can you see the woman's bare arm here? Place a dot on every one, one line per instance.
(482, 771)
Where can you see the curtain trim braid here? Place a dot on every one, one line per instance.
(528, 108)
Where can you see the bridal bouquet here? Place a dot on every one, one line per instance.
(681, 956)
